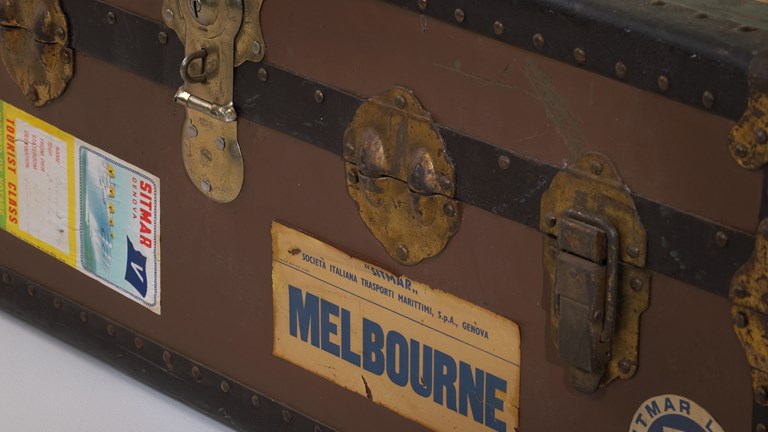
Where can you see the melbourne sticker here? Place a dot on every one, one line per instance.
(83, 206)
(670, 413)
(425, 354)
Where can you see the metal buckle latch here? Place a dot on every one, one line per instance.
(594, 255)
(586, 291)
(217, 35)
(34, 47)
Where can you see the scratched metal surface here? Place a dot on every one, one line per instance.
(748, 12)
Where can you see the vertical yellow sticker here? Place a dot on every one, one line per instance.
(39, 166)
(422, 353)
(82, 205)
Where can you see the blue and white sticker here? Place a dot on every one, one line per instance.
(671, 413)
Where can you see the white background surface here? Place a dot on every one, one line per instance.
(48, 386)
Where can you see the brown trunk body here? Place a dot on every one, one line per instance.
(216, 259)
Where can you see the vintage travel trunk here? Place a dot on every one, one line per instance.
(377, 215)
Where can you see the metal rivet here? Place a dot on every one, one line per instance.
(168, 16)
(550, 220)
(319, 96)
(761, 395)
(349, 148)
(445, 182)
(196, 373)
(596, 168)
(761, 428)
(760, 135)
(633, 251)
(422, 4)
(538, 41)
(504, 162)
(111, 18)
(31, 290)
(138, 343)
(60, 33)
(255, 401)
(84, 316)
(721, 239)
(579, 55)
(636, 284)
(707, 99)
(663, 83)
(7, 278)
(400, 101)
(263, 75)
(287, 416)
(498, 28)
(353, 177)
(205, 185)
(597, 316)
(168, 360)
(740, 150)
(620, 69)
(111, 330)
(191, 131)
(458, 14)
(32, 95)
(402, 252)
(162, 37)
(66, 57)
(318, 429)
(739, 291)
(57, 303)
(740, 320)
(625, 366)
(256, 47)
(449, 210)
(225, 387)
(220, 143)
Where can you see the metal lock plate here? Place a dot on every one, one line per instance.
(400, 177)
(217, 35)
(594, 254)
(34, 48)
(749, 294)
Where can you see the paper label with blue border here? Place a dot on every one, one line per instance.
(425, 354)
(81, 205)
(672, 413)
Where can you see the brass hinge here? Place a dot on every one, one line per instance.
(400, 176)
(748, 140)
(218, 35)
(595, 251)
(749, 294)
(34, 48)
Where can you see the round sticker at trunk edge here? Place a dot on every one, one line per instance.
(671, 413)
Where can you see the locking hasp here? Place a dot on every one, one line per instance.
(594, 255)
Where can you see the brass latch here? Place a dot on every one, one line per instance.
(749, 294)
(594, 254)
(34, 48)
(218, 35)
(400, 176)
